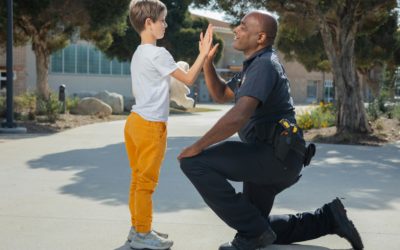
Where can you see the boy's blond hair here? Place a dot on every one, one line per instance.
(140, 10)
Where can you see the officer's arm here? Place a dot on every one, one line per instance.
(217, 88)
(230, 123)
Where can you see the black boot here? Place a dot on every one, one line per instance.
(242, 243)
(344, 227)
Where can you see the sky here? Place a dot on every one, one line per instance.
(208, 13)
(218, 15)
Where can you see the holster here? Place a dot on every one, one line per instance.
(284, 141)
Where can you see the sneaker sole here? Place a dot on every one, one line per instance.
(138, 246)
(349, 231)
(162, 235)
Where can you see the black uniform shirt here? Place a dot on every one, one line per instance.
(264, 78)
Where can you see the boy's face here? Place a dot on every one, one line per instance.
(158, 27)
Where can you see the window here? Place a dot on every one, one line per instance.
(311, 91)
(329, 91)
(57, 61)
(69, 59)
(126, 68)
(86, 59)
(82, 56)
(116, 67)
(94, 61)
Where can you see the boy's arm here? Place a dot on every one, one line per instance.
(204, 46)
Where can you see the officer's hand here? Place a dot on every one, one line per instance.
(189, 152)
(212, 53)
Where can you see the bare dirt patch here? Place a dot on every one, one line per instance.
(64, 122)
(384, 131)
(68, 121)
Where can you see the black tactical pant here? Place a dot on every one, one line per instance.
(263, 177)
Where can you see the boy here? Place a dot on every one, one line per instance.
(145, 128)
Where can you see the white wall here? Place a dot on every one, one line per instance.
(76, 83)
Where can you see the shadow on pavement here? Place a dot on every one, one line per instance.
(103, 174)
(368, 176)
(272, 247)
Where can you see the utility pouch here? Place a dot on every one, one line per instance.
(287, 141)
(281, 146)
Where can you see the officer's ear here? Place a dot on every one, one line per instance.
(262, 38)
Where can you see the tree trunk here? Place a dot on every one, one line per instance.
(42, 68)
(339, 38)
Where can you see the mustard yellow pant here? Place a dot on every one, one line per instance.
(145, 143)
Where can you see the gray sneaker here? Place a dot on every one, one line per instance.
(132, 233)
(150, 241)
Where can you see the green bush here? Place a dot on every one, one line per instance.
(322, 117)
(25, 106)
(72, 102)
(50, 108)
(373, 111)
(2, 106)
(381, 107)
(395, 112)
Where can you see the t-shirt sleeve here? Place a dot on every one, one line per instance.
(259, 80)
(164, 62)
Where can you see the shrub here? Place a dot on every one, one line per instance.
(322, 117)
(2, 106)
(380, 106)
(72, 102)
(373, 111)
(50, 108)
(25, 106)
(395, 112)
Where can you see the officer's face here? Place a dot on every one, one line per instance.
(246, 34)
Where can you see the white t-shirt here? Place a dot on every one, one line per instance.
(151, 67)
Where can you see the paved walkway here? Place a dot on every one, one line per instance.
(68, 191)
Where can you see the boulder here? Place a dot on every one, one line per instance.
(92, 106)
(115, 100)
(129, 101)
(82, 95)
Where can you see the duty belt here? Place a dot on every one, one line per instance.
(285, 138)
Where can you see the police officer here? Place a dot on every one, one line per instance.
(270, 155)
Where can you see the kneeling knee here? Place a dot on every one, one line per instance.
(186, 165)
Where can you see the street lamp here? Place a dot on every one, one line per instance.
(9, 126)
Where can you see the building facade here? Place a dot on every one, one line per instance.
(84, 69)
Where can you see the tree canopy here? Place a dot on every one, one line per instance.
(322, 35)
(181, 38)
(49, 24)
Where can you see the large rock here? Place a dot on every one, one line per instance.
(82, 95)
(92, 106)
(179, 91)
(115, 100)
(129, 101)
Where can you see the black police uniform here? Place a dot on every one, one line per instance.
(252, 161)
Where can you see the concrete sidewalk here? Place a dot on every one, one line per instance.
(68, 191)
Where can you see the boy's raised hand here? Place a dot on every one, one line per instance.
(205, 43)
(213, 48)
